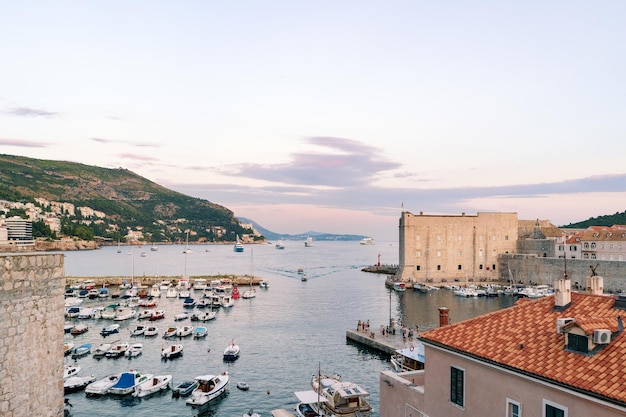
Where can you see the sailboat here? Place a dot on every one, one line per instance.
(251, 293)
(308, 242)
(119, 247)
(187, 250)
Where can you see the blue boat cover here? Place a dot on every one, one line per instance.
(127, 380)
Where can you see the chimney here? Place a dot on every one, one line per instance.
(444, 318)
(563, 294)
(594, 285)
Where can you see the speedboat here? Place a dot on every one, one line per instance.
(70, 370)
(231, 352)
(367, 241)
(128, 382)
(185, 388)
(77, 383)
(68, 347)
(200, 331)
(181, 316)
(343, 398)
(189, 302)
(309, 404)
(155, 384)
(184, 293)
(102, 385)
(148, 302)
(409, 358)
(155, 291)
(124, 314)
(209, 388)
(227, 301)
(114, 328)
(79, 329)
(171, 292)
(184, 331)
(280, 245)
(171, 352)
(134, 350)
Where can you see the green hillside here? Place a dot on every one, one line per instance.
(128, 200)
(606, 220)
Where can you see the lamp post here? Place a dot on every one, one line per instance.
(389, 307)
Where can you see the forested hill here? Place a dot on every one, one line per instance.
(606, 220)
(128, 200)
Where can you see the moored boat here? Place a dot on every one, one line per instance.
(231, 352)
(184, 331)
(102, 385)
(70, 370)
(77, 383)
(102, 350)
(209, 388)
(151, 331)
(409, 358)
(128, 382)
(367, 241)
(153, 385)
(200, 331)
(185, 388)
(171, 352)
(343, 398)
(134, 350)
(112, 329)
(81, 350)
(79, 329)
(117, 350)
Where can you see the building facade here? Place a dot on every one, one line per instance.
(438, 249)
(558, 356)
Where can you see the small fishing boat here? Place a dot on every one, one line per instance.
(70, 370)
(81, 350)
(77, 383)
(184, 331)
(200, 331)
(102, 350)
(68, 348)
(134, 350)
(79, 329)
(102, 385)
(151, 331)
(137, 330)
(231, 352)
(117, 350)
(209, 388)
(189, 302)
(156, 384)
(157, 315)
(112, 329)
(181, 316)
(170, 332)
(203, 316)
(243, 386)
(185, 388)
(171, 352)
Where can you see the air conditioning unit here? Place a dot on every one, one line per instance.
(562, 322)
(601, 336)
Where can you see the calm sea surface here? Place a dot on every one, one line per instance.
(284, 333)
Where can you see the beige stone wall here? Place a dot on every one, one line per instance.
(31, 335)
(454, 248)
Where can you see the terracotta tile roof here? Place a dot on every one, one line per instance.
(524, 337)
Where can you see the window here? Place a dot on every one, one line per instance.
(480, 266)
(577, 343)
(460, 253)
(459, 267)
(438, 267)
(493, 267)
(418, 267)
(456, 386)
(438, 254)
(506, 237)
(418, 254)
(513, 408)
(551, 409)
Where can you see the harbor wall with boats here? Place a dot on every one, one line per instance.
(31, 312)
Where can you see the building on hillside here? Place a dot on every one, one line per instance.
(440, 248)
(19, 229)
(557, 356)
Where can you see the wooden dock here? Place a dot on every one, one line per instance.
(374, 339)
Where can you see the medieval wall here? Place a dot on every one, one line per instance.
(31, 335)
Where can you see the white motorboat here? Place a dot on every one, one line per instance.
(151, 331)
(155, 384)
(199, 284)
(70, 370)
(231, 352)
(171, 352)
(145, 314)
(251, 413)
(410, 358)
(203, 316)
(128, 382)
(185, 388)
(264, 284)
(184, 293)
(155, 291)
(227, 301)
(157, 315)
(68, 347)
(209, 388)
(181, 316)
(112, 329)
(367, 241)
(117, 350)
(308, 242)
(280, 245)
(102, 349)
(102, 385)
(171, 292)
(134, 350)
(137, 330)
(171, 331)
(343, 398)
(184, 331)
(309, 404)
(77, 383)
(164, 285)
(81, 350)
(124, 314)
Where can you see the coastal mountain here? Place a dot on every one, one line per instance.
(606, 220)
(127, 201)
(318, 236)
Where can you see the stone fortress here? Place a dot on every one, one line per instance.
(500, 248)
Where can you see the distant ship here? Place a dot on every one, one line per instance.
(308, 242)
(367, 241)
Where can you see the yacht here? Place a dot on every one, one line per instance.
(367, 241)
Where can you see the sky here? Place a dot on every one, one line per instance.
(330, 116)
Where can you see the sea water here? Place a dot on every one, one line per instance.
(286, 333)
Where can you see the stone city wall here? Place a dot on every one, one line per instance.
(526, 269)
(31, 329)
